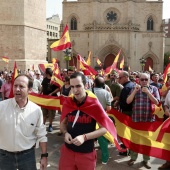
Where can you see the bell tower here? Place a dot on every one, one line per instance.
(23, 32)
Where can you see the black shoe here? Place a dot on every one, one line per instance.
(147, 165)
(123, 153)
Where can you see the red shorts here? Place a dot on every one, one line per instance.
(70, 160)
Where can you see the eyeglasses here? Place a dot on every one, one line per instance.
(143, 79)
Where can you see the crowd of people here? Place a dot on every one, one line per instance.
(131, 93)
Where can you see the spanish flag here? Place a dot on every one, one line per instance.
(48, 102)
(122, 63)
(56, 77)
(149, 138)
(54, 60)
(114, 65)
(93, 108)
(6, 59)
(150, 69)
(98, 61)
(85, 67)
(42, 67)
(166, 72)
(89, 59)
(14, 75)
(63, 43)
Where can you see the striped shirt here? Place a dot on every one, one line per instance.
(142, 111)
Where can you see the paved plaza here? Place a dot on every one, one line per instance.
(116, 161)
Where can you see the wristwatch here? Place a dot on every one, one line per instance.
(44, 155)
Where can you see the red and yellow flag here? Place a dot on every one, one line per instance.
(6, 59)
(48, 102)
(166, 72)
(54, 60)
(129, 68)
(89, 59)
(98, 61)
(148, 138)
(42, 67)
(114, 65)
(56, 77)
(85, 67)
(150, 69)
(15, 74)
(64, 41)
(122, 62)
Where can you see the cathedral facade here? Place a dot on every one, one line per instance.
(105, 27)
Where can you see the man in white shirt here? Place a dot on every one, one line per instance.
(36, 83)
(21, 128)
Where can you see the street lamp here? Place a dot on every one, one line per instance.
(67, 56)
(142, 62)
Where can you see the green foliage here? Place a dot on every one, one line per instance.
(67, 58)
(166, 58)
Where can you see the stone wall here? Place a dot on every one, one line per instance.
(23, 32)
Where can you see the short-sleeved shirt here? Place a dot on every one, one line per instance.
(142, 110)
(103, 96)
(83, 125)
(47, 87)
(116, 89)
(158, 85)
(6, 89)
(127, 87)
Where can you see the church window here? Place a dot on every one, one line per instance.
(47, 33)
(50, 33)
(73, 23)
(150, 24)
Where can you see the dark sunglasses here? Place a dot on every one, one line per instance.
(143, 79)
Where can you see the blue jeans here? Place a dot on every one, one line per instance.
(22, 160)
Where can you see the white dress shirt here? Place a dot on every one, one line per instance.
(20, 128)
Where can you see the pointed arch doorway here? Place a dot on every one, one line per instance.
(149, 63)
(109, 60)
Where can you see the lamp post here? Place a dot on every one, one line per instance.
(142, 62)
(67, 56)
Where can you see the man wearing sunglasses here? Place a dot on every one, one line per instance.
(142, 97)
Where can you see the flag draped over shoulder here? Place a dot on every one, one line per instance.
(85, 67)
(56, 77)
(114, 65)
(15, 74)
(64, 41)
(6, 59)
(91, 107)
(166, 71)
(149, 138)
(89, 59)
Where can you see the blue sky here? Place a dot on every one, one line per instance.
(55, 7)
